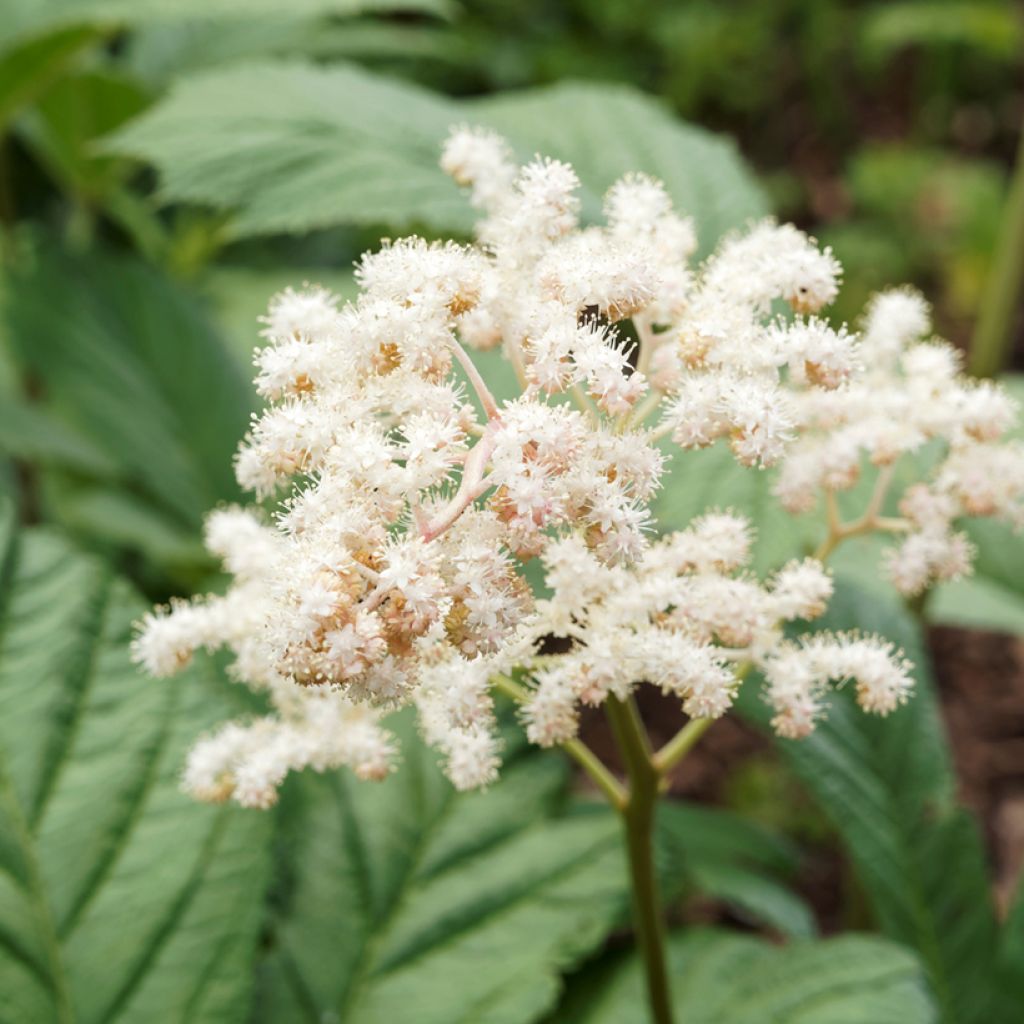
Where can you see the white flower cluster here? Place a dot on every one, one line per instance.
(408, 499)
(910, 398)
(683, 617)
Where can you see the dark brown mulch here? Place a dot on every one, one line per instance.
(981, 684)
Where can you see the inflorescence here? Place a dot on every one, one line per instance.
(407, 499)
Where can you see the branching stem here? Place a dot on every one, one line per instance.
(870, 520)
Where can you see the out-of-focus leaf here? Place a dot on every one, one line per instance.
(29, 19)
(160, 53)
(113, 519)
(406, 898)
(293, 146)
(68, 117)
(720, 977)
(704, 173)
(726, 857)
(977, 602)
(28, 70)
(128, 362)
(888, 788)
(1011, 957)
(120, 899)
(240, 296)
(28, 432)
(994, 28)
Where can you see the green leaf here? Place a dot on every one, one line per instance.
(28, 70)
(1011, 956)
(723, 978)
(30, 433)
(994, 29)
(728, 858)
(68, 117)
(27, 19)
(294, 147)
(406, 898)
(159, 53)
(120, 899)
(605, 131)
(128, 363)
(887, 785)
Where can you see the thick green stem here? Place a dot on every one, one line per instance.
(991, 342)
(638, 820)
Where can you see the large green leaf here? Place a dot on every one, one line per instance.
(723, 978)
(296, 147)
(27, 70)
(704, 173)
(62, 126)
(31, 19)
(159, 53)
(469, 907)
(120, 899)
(887, 785)
(293, 147)
(128, 362)
(405, 898)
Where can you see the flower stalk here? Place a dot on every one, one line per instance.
(638, 817)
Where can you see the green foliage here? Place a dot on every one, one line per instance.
(407, 895)
(295, 147)
(28, 70)
(728, 858)
(918, 214)
(1011, 955)
(120, 899)
(76, 110)
(724, 978)
(703, 173)
(994, 29)
(127, 362)
(26, 19)
(888, 788)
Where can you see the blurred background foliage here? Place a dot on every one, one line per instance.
(166, 165)
(887, 128)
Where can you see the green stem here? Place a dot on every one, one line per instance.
(638, 820)
(988, 352)
(681, 744)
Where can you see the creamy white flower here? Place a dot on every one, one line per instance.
(410, 500)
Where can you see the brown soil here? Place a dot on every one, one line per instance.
(981, 683)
